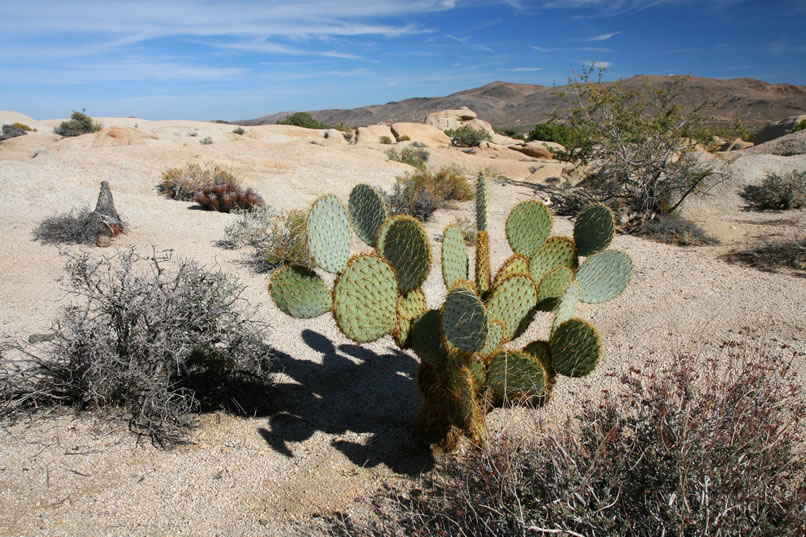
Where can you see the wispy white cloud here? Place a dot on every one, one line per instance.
(466, 41)
(544, 49)
(525, 69)
(612, 8)
(597, 64)
(602, 37)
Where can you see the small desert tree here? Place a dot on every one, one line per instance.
(639, 144)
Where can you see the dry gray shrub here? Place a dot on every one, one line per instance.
(150, 338)
(79, 226)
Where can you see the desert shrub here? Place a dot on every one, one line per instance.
(773, 255)
(674, 229)
(405, 138)
(10, 131)
(238, 130)
(385, 140)
(512, 132)
(22, 126)
(78, 124)
(206, 141)
(79, 226)
(302, 119)
(800, 126)
(413, 156)
(193, 134)
(468, 136)
(422, 192)
(275, 238)
(698, 447)
(151, 338)
(639, 143)
(553, 132)
(183, 183)
(227, 197)
(778, 192)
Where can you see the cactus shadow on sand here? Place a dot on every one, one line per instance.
(366, 400)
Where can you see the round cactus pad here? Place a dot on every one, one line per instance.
(552, 287)
(454, 256)
(511, 302)
(368, 212)
(517, 264)
(528, 227)
(575, 348)
(365, 299)
(328, 234)
(517, 376)
(542, 351)
(556, 252)
(464, 320)
(604, 276)
(567, 306)
(300, 292)
(426, 338)
(495, 336)
(594, 229)
(409, 307)
(405, 246)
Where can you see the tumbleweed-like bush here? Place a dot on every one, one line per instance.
(225, 198)
(183, 183)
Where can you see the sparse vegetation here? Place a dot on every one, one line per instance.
(774, 255)
(238, 130)
(468, 136)
(422, 192)
(151, 338)
(275, 238)
(206, 141)
(183, 183)
(79, 226)
(800, 126)
(302, 119)
(554, 132)
(386, 140)
(227, 197)
(674, 229)
(405, 138)
(701, 446)
(778, 192)
(78, 124)
(413, 156)
(22, 126)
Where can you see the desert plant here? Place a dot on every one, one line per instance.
(78, 124)
(468, 136)
(238, 130)
(206, 141)
(276, 238)
(413, 156)
(404, 138)
(11, 131)
(674, 229)
(83, 226)
(773, 255)
(705, 446)
(799, 126)
(302, 119)
(465, 365)
(227, 197)
(183, 183)
(153, 338)
(778, 192)
(422, 192)
(22, 126)
(386, 140)
(553, 132)
(638, 142)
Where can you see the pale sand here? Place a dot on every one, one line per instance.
(341, 421)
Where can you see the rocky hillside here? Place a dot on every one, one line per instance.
(522, 105)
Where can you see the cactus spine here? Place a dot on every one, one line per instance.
(465, 365)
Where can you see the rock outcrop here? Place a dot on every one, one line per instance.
(538, 149)
(777, 129)
(373, 134)
(428, 135)
(455, 119)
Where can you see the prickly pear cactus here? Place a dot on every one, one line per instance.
(466, 365)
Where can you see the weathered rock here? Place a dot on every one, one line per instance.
(736, 145)
(10, 131)
(777, 129)
(538, 149)
(112, 225)
(455, 119)
(427, 135)
(122, 136)
(334, 137)
(372, 134)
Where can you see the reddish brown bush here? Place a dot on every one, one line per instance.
(227, 197)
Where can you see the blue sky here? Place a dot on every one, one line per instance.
(191, 59)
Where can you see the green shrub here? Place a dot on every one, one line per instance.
(302, 119)
(151, 338)
(553, 132)
(385, 140)
(183, 183)
(413, 156)
(703, 446)
(512, 132)
(800, 126)
(778, 192)
(206, 141)
(78, 124)
(422, 192)
(405, 138)
(238, 130)
(227, 197)
(468, 136)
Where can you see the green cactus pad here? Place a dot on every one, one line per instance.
(300, 292)
(405, 245)
(528, 227)
(328, 233)
(552, 288)
(567, 306)
(426, 338)
(542, 351)
(604, 276)
(512, 301)
(409, 307)
(479, 376)
(464, 320)
(556, 252)
(368, 212)
(482, 262)
(517, 376)
(575, 348)
(467, 415)
(481, 203)
(454, 256)
(495, 336)
(365, 299)
(594, 229)
(517, 264)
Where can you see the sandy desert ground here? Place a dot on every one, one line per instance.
(340, 421)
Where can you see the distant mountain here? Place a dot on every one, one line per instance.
(506, 104)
